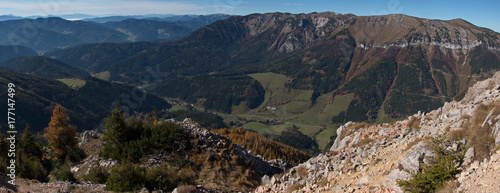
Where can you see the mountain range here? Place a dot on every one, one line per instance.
(397, 64)
(308, 81)
(43, 34)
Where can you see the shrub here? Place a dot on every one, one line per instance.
(63, 173)
(97, 175)
(32, 168)
(125, 177)
(131, 138)
(161, 177)
(436, 172)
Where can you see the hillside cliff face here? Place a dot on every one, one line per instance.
(395, 63)
(369, 158)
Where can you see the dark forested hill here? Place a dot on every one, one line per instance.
(217, 92)
(9, 52)
(44, 67)
(86, 106)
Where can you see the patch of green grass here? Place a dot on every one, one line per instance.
(103, 75)
(294, 94)
(177, 108)
(340, 103)
(323, 111)
(241, 108)
(308, 130)
(269, 80)
(78, 83)
(296, 106)
(263, 128)
(324, 136)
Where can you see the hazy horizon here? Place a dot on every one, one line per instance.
(480, 13)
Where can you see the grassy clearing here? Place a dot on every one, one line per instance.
(103, 75)
(78, 83)
(177, 108)
(269, 80)
(324, 136)
(323, 111)
(263, 128)
(339, 104)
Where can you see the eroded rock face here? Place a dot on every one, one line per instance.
(373, 157)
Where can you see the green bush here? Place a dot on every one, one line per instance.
(97, 175)
(161, 177)
(125, 177)
(63, 173)
(436, 172)
(133, 137)
(29, 157)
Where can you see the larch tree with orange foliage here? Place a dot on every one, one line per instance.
(60, 135)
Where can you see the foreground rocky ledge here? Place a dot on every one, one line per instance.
(369, 158)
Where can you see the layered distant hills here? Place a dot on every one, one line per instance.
(394, 65)
(43, 34)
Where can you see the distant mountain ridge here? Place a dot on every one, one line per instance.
(401, 63)
(43, 34)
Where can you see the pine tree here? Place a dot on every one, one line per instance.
(28, 145)
(114, 133)
(60, 135)
(29, 157)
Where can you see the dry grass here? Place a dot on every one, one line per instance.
(414, 123)
(448, 187)
(491, 85)
(413, 143)
(296, 186)
(323, 182)
(479, 135)
(351, 129)
(457, 135)
(302, 171)
(186, 189)
(363, 142)
(334, 153)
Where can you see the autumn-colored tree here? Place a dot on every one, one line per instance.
(60, 135)
(261, 145)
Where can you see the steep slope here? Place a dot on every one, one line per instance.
(410, 64)
(44, 67)
(86, 106)
(369, 158)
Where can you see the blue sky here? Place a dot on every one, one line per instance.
(484, 13)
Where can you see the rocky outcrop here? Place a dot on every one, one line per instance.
(370, 158)
(212, 142)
